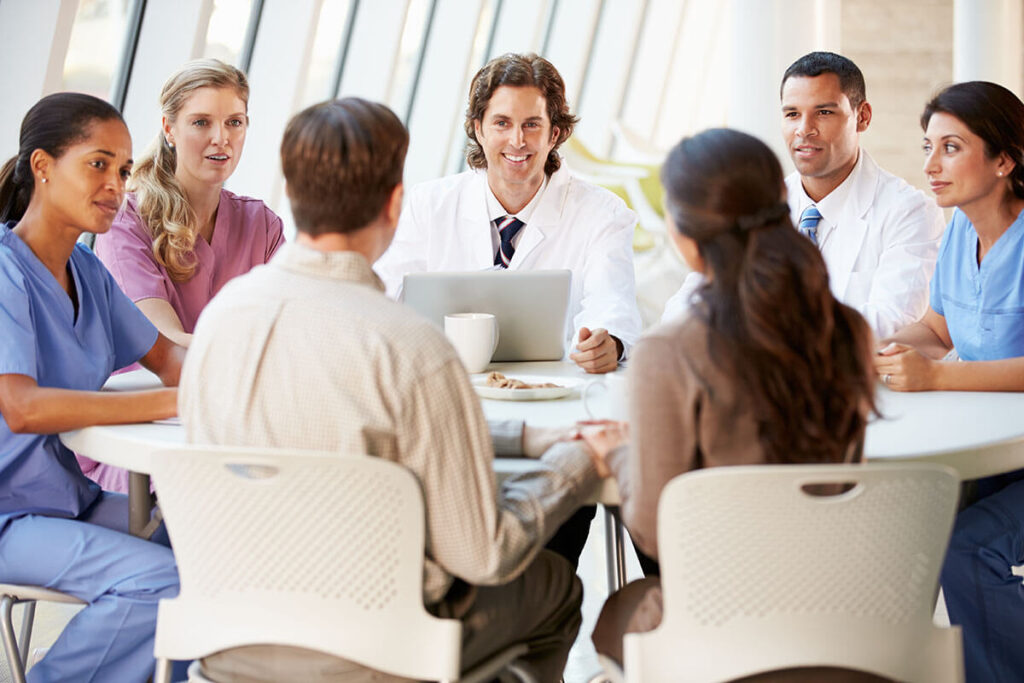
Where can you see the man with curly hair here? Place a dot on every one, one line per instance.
(520, 208)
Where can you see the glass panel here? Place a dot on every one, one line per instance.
(226, 32)
(330, 33)
(408, 56)
(94, 50)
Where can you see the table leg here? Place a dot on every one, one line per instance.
(140, 503)
(614, 538)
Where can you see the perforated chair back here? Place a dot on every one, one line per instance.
(313, 550)
(760, 575)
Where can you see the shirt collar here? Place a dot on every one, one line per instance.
(336, 265)
(495, 210)
(831, 205)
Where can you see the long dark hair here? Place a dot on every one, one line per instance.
(802, 357)
(991, 112)
(53, 124)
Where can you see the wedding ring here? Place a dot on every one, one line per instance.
(886, 378)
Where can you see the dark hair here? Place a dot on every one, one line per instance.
(991, 112)
(851, 80)
(802, 356)
(517, 70)
(342, 159)
(53, 124)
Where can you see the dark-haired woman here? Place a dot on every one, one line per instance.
(65, 327)
(771, 368)
(974, 159)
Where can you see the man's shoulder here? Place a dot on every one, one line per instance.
(439, 189)
(891, 192)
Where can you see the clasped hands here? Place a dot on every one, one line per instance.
(599, 438)
(904, 368)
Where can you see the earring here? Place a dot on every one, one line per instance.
(43, 180)
(170, 144)
(1000, 174)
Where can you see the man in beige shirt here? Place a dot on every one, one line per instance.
(307, 352)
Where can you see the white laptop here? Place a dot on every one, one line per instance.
(530, 305)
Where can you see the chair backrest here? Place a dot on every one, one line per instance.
(313, 550)
(758, 574)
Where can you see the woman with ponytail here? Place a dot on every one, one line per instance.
(65, 326)
(180, 236)
(769, 368)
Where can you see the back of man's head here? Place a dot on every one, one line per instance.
(342, 159)
(851, 80)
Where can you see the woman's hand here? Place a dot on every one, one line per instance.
(537, 440)
(904, 368)
(602, 437)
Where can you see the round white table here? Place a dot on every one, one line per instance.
(977, 434)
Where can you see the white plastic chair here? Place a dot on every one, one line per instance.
(312, 550)
(759, 575)
(11, 595)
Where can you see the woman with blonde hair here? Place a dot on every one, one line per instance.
(180, 236)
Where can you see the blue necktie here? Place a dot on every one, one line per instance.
(809, 223)
(508, 227)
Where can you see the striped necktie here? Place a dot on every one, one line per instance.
(809, 223)
(508, 227)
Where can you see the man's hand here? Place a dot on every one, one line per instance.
(904, 368)
(537, 440)
(597, 351)
(602, 437)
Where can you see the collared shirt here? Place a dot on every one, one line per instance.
(44, 339)
(496, 211)
(307, 352)
(983, 303)
(830, 207)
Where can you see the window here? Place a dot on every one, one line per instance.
(226, 32)
(94, 51)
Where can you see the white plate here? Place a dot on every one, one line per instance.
(566, 386)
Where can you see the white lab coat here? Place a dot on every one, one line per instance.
(881, 253)
(576, 225)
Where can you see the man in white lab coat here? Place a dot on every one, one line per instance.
(878, 235)
(519, 208)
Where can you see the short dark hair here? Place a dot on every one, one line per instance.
(518, 70)
(991, 112)
(851, 80)
(342, 159)
(53, 124)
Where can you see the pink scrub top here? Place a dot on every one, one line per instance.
(246, 234)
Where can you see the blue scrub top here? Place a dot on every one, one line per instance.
(42, 339)
(983, 304)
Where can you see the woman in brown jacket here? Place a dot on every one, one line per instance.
(769, 367)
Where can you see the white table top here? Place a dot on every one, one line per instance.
(976, 433)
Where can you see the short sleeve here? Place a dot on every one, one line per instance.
(947, 251)
(127, 252)
(132, 335)
(275, 233)
(18, 350)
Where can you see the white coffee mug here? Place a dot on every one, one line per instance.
(610, 404)
(474, 336)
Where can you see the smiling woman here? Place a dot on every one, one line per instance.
(65, 326)
(180, 236)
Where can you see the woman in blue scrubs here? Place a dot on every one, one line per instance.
(65, 326)
(974, 151)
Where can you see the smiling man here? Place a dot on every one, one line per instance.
(519, 208)
(878, 235)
